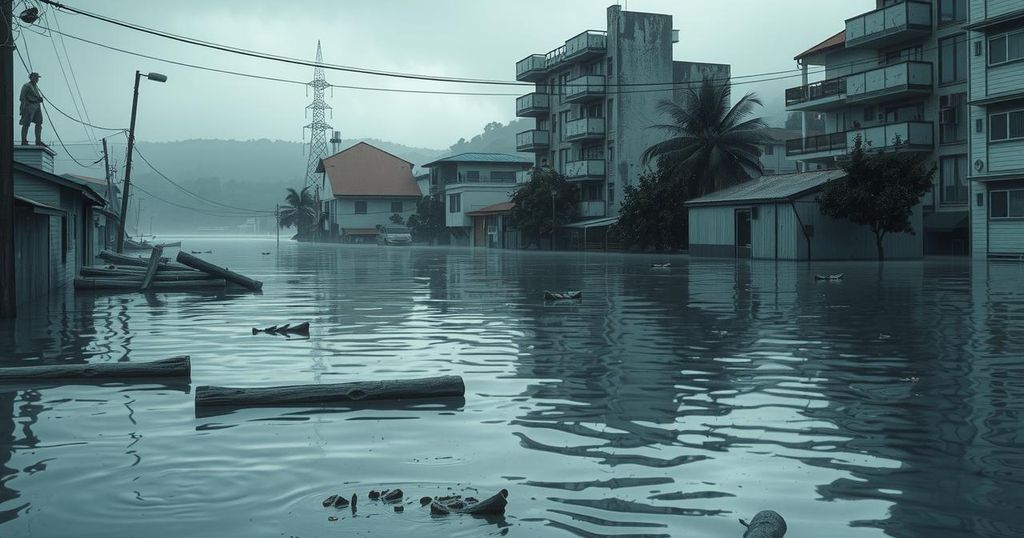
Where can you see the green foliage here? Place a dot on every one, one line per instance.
(428, 223)
(710, 146)
(301, 211)
(543, 204)
(396, 218)
(879, 191)
(653, 214)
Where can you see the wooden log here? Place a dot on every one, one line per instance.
(160, 275)
(87, 283)
(142, 263)
(338, 393)
(166, 368)
(222, 272)
(154, 263)
(765, 524)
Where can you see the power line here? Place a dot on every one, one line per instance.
(74, 76)
(195, 209)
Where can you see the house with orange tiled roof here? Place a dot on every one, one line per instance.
(363, 187)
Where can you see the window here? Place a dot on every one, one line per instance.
(953, 59)
(869, 113)
(1006, 126)
(1006, 48)
(454, 203)
(503, 175)
(1006, 204)
(769, 149)
(396, 207)
(360, 207)
(611, 155)
(953, 179)
(952, 11)
(611, 194)
(953, 112)
(473, 175)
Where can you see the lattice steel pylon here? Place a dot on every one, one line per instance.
(318, 127)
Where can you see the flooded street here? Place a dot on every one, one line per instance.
(665, 403)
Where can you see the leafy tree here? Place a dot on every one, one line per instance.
(428, 223)
(397, 218)
(711, 146)
(653, 214)
(301, 211)
(543, 204)
(880, 190)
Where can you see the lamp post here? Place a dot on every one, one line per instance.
(156, 77)
(552, 217)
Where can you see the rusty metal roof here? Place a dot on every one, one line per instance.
(837, 40)
(366, 170)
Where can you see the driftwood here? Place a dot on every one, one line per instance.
(167, 368)
(154, 263)
(338, 393)
(222, 272)
(562, 295)
(167, 276)
(134, 261)
(89, 283)
(494, 505)
(766, 524)
(301, 329)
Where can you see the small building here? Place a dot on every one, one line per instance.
(470, 182)
(492, 227)
(105, 220)
(365, 186)
(778, 217)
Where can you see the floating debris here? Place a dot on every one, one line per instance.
(425, 501)
(330, 500)
(340, 502)
(661, 265)
(766, 524)
(562, 295)
(353, 503)
(837, 276)
(374, 494)
(392, 495)
(286, 330)
(493, 505)
(332, 518)
(399, 508)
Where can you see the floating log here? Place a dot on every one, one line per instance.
(562, 295)
(222, 272)
(766, 524)
(154, 263)
(300, 329)
(493, 505)
(337, 393)
(166, 368)
(134, 261)
(103, 272)
(88, 283)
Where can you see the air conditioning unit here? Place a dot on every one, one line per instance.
(947, 116)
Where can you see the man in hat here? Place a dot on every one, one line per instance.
(31, 109)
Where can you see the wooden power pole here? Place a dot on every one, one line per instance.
(8, 292)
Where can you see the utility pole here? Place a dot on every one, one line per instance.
(110, 192)
(277, 217)
(128, 161)
(552, 218)
(8, 293)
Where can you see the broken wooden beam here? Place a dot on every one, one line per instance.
(154, 263)
(90, 283)
(222, 272)
(331, 394)
(134, 261)
(166, 368)
(103, 272)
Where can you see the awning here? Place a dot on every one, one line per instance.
(40, 208)
(358, 231)
(946, 221)
(593, 223)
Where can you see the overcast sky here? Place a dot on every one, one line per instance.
(459, 38)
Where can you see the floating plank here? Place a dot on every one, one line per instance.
(166, 368)
(133, 261)
(562, 295)
(337, 393)
(87, 283)
(766, 524)
(154, 263)
(222, 272)
(104, 272)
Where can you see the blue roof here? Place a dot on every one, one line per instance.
(482, 158)
(769, 188)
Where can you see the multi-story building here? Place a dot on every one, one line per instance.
(897, 73)
(596, 99)
(996, 49)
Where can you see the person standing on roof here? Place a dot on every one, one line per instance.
(31, 109)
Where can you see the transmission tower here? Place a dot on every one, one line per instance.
(318, 127)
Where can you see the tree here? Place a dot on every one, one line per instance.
(880, 190)
(653, 214)
(711, 146)
(543, 204)
(301, 211)
(428, 223)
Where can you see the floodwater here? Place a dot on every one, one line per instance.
(665, 403)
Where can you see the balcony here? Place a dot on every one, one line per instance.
(588, 169)
(533, 68)
(912, 135)
(584, 129)
(826, 145)
(586, 45)
(591, 209)
(532, 141)
(898, 81)
(555, 57)
(890, 25)
(823, 95)
(533, 105)
(584, 88)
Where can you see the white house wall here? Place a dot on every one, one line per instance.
(378, 211)
(473, 197)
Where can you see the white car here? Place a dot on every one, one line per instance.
(394, 235)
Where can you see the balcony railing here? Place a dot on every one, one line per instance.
(584, 128)
(588, 169)
(554, 57)
(825, 89)
(890, 24)
(587, 43)
(909, 134)
(583, 88)
(891, 80)
(816, 144)
(533, 104)
(531, 67)
(592, 209)
(532, 140)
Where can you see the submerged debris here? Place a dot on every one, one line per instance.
(425, 501)
(392, 495)
(340, 502)
(374, 494)
(837, 276)
(765, 524)
(330, 500)
(562, 295)
(286, 329)
(399, 508)
(493, 505)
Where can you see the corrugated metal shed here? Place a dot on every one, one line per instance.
(482, 158)
(769, 188)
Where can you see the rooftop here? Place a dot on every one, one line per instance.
(500, 207)
(835, 41)
(366, 170)
(481, 158)
(770, 188)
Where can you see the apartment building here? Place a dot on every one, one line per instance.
(996, 48)
(897, 74)
(596, 98)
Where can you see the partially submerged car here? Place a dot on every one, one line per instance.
(394, 235)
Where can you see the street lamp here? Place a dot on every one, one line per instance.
(155, 77)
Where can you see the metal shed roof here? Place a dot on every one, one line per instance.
(769, 188)
(506, 158)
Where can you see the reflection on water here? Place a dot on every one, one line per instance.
(665, 403)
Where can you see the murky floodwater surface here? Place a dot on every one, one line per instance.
(665, 403)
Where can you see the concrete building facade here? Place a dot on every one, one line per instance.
(897, 73)
(996, 45)
(596, 99)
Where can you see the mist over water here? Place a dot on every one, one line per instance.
(665, 403)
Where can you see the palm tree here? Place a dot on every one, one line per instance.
(301, 211)
(711, 146)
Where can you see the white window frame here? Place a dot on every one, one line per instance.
(1007, 114)
(1006, 45)
(1008, 216)
(455, 203)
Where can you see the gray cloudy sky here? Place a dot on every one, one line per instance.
(462, 38)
